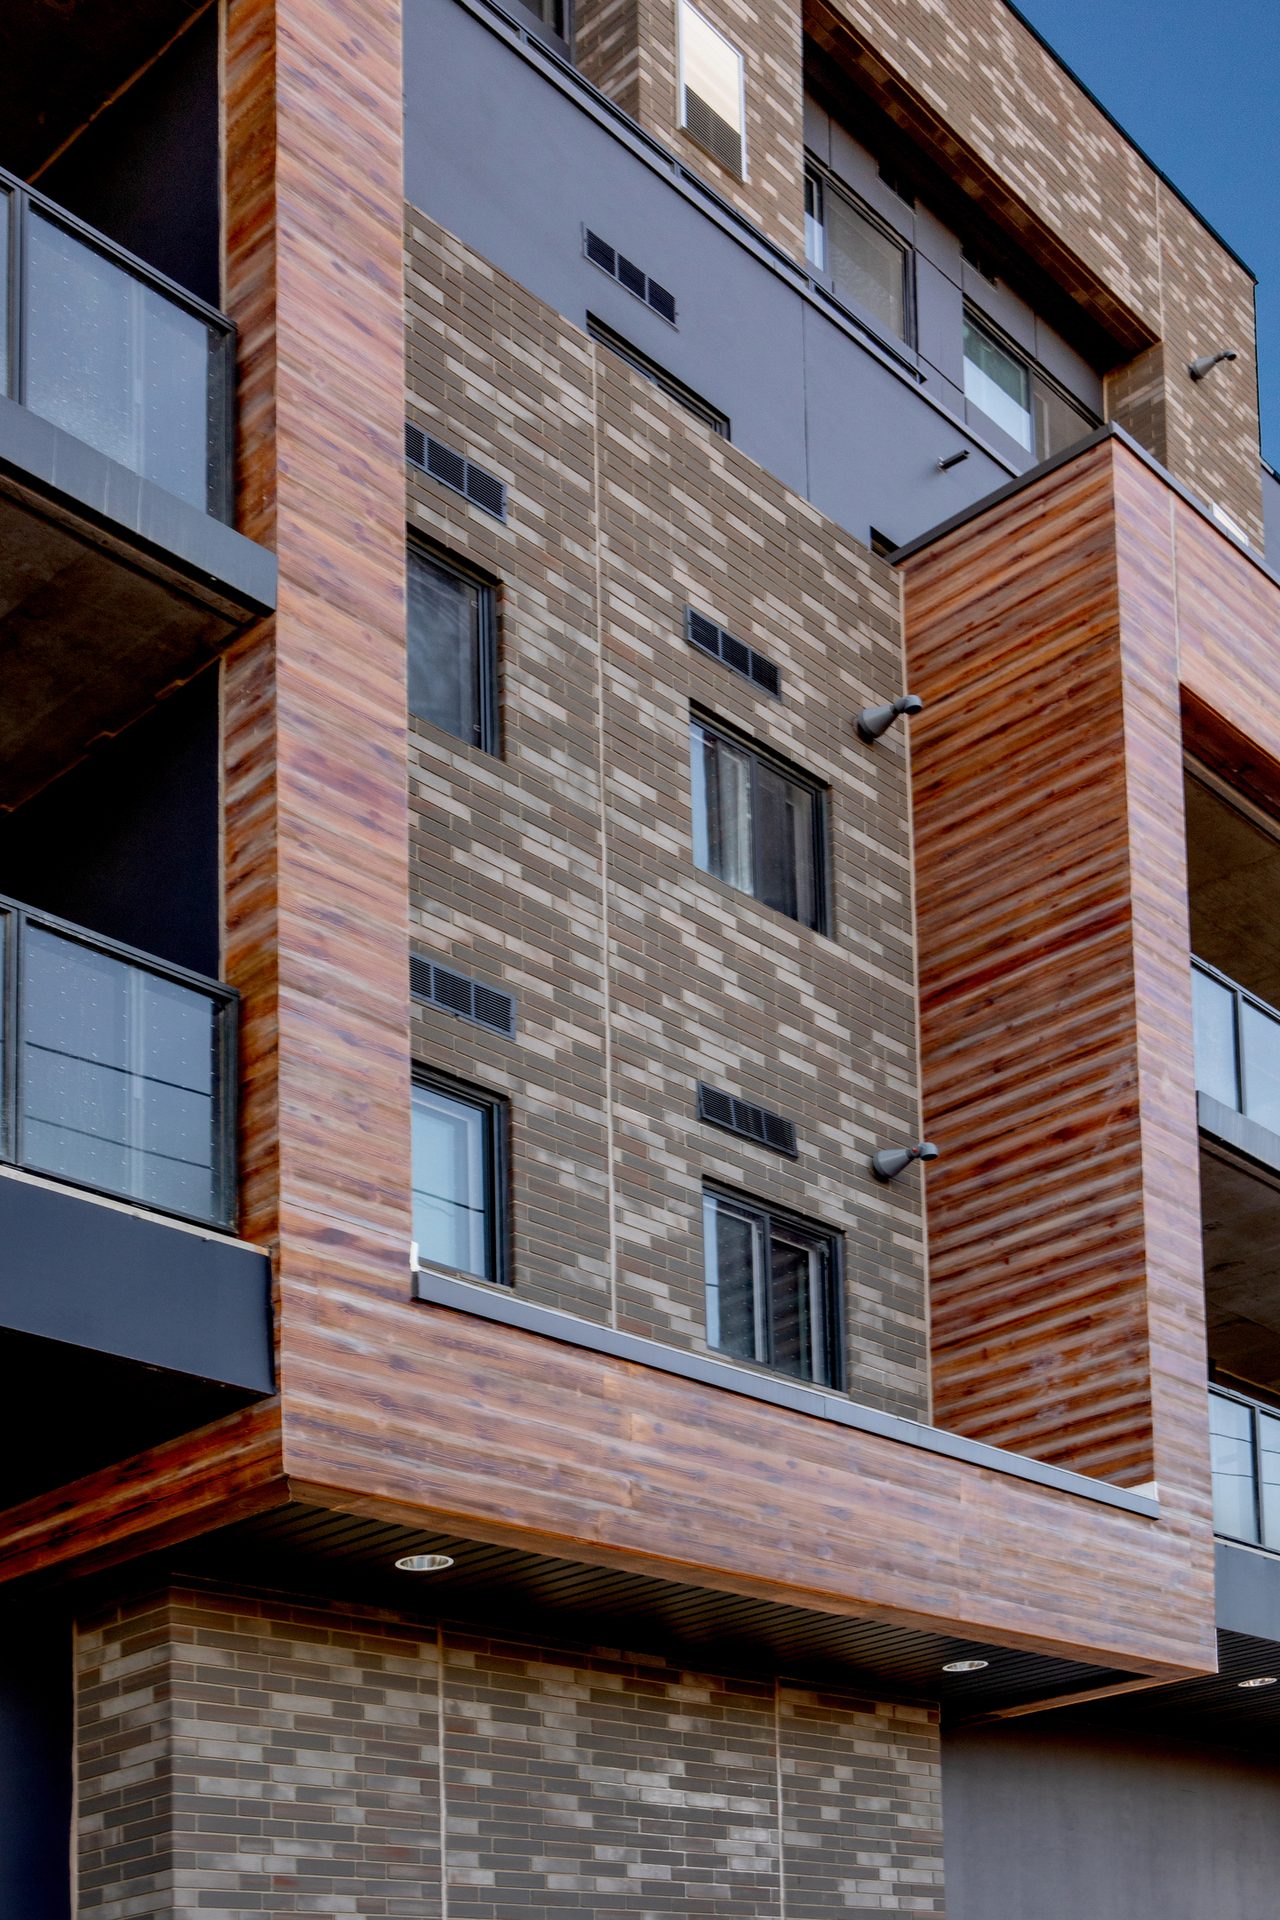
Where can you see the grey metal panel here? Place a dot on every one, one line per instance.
(874, 445)
(503, 1305)
(82, 483)
(105, 1279)
(1000, 304)
(522, 194)
(1066, 365)
(1248, 1591)
(1047, 1822)
(940, 322)
(1232, 1129)
(1271, 515)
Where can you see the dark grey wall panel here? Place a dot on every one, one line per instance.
(119, 1283)
(1043, 1822)
(874, 447)
(1248, 1591)
(806, 399)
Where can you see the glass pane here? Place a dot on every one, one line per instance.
(815, 245)
(5, 219)
(1213, 1006)
(711, 68)
(785, 845)
(997, 383)
(1058, 423)
(733, 1248)
(1260, 1048)
(1231, 1440)
(798, 1294)
(119, 1077)
(1269, 1467)
(444, 649)
(866, 265)
(451, 1182)
(116, 362)
(721, 809)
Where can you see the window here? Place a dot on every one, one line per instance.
(863, 262)
(712, 108)
(1017, 396)
(458, 1153)
(452, 656)
(757, 826)
(1245, 1451)
(674, 389)
(772, 1289)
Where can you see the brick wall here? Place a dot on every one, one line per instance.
(628, 48)
(623, 509)
(241, 1755)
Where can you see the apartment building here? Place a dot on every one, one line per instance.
(640, 783)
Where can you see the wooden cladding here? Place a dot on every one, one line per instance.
(1055, 984)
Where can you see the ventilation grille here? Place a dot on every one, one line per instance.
(709, 638)
(629, 275)
(751, 1122)
(483, 490)
(455, 993)
(712, 131)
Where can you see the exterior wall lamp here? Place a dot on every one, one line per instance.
(889, 1162)
(1208, 361)
(873, 721)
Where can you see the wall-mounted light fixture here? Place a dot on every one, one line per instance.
(873, 721)
(953, 459)
(889, 1162)
(1208, 361)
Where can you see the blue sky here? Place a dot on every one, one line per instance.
(1198, 88)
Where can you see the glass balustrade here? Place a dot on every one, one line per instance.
(113, 353)
(1237, 1042)
(119, 1069)
(1245, 1445)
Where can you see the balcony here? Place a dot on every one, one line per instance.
(118, 572)
(121, 1291)
(1245, 1439)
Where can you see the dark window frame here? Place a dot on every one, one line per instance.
(827, 182)
(764, 1213)
(1037, 377)
(657, 375)
(497, 1110)
(488, 651)
(822, 879)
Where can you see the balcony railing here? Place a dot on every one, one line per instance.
(1245, 1441)
(118, 1071)
(1237, 1047)
(100, 345)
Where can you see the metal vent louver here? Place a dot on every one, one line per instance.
(750, 1122)
(712, 131)
(456, 993)
(726, 647)
(454, 470)
(629, 275)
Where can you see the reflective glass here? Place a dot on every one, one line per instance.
(119, 1077)
(997, 383)
(6, 217)
(733, 1251)
(867, 266)
(447, 618)
(1269, 1473)
(452, 1182)
(815, 246)
(722, 809)
(1260, 1052)
(711, 68)
(753, 827)
(798, 1297)
(1231, 1441)
(1059, 424)
(116, 362)
(785, 845)
(1213, 1006)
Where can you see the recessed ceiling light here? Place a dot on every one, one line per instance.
(1262, 1680)
(425, 1562)
(965, 1666)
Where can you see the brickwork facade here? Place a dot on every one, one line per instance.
(622, 511)
(1006, 98)
(242, 1755)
